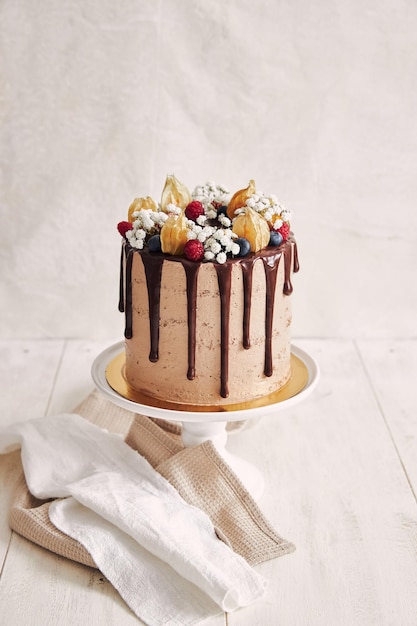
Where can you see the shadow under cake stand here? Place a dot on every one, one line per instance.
(202, 423)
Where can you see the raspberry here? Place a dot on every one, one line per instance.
(194, 250)
(193, 210)
(123, 227)
(284, 230)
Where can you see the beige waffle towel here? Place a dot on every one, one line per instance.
(199, 474)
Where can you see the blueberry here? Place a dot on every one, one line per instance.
(222, 210)
(275, 238)
(244, 246)
(154, 244)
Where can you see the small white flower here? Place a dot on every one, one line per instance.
(208, 255)
(173, 208)
(215, 247)
(221, 258)
(224, 220)
(235, 249)
(201, 219)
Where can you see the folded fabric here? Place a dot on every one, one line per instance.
(150, 587)
(204, 479)
(199, 474)
(67, 456)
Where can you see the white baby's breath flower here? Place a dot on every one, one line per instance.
(221, 258)
(235, 249)
(173, 208)
(209, 230)
(208, 255)
(286, 215)
(201, 220)
(215, 246)
(224, 220)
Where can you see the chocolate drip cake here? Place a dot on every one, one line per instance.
(205, 285)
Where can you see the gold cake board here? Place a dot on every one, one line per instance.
(115, 376)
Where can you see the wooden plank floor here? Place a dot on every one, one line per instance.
(341, 483)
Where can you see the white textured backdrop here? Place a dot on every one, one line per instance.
(314, 100)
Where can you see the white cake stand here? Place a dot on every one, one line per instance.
(200, 424)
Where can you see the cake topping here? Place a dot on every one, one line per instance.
(194, 210)
(175, 193)
(240, 198)
(275, 238)
(253, 227)
(141, 203)
(124, 227)
(210, 215)
(284, 231)
(174, 234)
(194, 250)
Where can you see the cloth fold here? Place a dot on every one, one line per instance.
(200, 477)
(67, 456)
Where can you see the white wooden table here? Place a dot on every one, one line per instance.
(341, 483)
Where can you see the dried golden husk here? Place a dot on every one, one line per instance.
(252, 227)
(141, 203)
(238, 200)
(174, 234)
(174, 192)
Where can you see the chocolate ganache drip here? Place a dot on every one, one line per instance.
(247, 273)
(271, 264)
(191, 272)
(125, 288)
(224, 277)
(153, 270)
(153, 273)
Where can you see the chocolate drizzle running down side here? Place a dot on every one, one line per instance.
(247, 273)
(224, 277)
(153, 272)
(296, 265)
(125, 304)
(271, 264)
(122, 280)
(191, 272)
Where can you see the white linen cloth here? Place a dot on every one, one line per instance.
(159, 552)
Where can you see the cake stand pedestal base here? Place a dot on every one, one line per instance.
(194, 433)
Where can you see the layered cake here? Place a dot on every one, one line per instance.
(205, 286)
